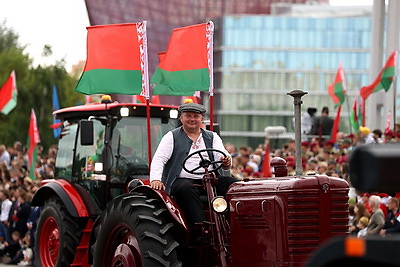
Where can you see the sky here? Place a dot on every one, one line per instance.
(62, 25)
(58, 23)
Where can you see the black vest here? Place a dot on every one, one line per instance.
(182, 144)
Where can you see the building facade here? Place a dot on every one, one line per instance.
(259, 59)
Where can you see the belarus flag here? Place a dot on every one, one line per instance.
(384, 79)
(31, 144)
(337, 90)
(116, 60)
(185, 67)
(8, 94)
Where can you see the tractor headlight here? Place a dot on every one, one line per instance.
(219, 204)
(124, 112)
(173, 113)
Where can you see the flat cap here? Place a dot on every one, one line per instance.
(192, 107)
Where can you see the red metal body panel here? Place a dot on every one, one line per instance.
(173, 208)
(73, 194)
(99, 107)
(170, 204)
(280, 221)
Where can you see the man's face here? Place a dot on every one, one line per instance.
(191, 120)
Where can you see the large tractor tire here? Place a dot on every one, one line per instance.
(134, 231)
(57, 235)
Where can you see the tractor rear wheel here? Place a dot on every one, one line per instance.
(57, 235)
(136, 230)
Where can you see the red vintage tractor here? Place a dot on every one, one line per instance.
(99, 210)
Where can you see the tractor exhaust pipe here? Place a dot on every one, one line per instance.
(297, 95)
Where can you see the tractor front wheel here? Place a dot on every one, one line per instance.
(57, 235)
(136, 230)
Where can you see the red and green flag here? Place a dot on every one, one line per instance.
(384, 79)
(266, 167)
(337, 89)
(31, 144)
(336, 123)
(186, 66)
(116, 60)
(354, 116)
(8, 94)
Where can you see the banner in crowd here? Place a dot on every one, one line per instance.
(116, 60)
(31, 144)
(354, 116)
(8, 94)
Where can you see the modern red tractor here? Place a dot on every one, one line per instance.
(98, 212)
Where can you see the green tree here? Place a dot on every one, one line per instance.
(35, 85)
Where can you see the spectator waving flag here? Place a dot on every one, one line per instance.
(185, 67)
(116, 60)
(31, 144)
(8, 94)
(384, 79)
(337, 89)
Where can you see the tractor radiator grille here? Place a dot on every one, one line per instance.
(303, 222)
(308, 215)
(252, 221)
(339, 213)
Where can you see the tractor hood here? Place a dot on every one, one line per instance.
(283, 220)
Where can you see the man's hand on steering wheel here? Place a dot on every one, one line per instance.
(157, 184)
(226, 162)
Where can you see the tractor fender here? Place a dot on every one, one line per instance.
(66, 192)
(169, 203)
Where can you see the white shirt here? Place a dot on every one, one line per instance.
(5, 157)
(5, 210)
(166, 147)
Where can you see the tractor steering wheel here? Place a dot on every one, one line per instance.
(204, 163)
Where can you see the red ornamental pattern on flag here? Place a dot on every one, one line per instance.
(389, 116)
(142, 38)
(210, 53)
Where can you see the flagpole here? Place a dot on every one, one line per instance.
(363, 101)
(211, 113)
(142, 37)
(210, 52)
(148, 129)
(349, 112)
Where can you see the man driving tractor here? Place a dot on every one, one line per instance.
(167, 173)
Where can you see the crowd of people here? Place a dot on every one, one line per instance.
(18, 219)
(374, 213)
(369, 214)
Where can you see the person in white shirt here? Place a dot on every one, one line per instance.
(5, 211)
(5, 156)
(167, 173)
